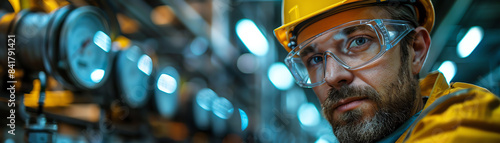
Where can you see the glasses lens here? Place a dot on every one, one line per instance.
(352, 45)
(307, 75)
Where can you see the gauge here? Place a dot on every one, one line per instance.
(133, 75)
(72, 44)
(166, 91)
(84, 48)
(30, 32)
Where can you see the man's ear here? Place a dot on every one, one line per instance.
(421, 44)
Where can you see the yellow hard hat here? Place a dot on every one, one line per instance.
(296, 12)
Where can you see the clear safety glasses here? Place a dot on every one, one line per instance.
(352, 45)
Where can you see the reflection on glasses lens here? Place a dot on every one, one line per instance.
(352, 45)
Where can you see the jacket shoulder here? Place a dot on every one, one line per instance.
(463, 113)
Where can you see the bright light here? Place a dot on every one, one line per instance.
(102, 40)
(470, 41)
(222, 108)
(167, 83)
(145, 64)
(166, 91)
(449, 69)
(252, 37)
(244, 120)
(205, 97)
(97, 75)
(308, 115)
(280, 76)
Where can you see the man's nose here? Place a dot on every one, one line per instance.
(336, 75)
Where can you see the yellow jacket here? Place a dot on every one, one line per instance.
(459, 112)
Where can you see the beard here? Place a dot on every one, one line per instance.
(392, 109)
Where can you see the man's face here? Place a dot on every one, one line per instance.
(367, 104)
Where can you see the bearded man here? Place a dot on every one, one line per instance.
(362, 59)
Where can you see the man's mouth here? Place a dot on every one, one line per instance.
(348, 104)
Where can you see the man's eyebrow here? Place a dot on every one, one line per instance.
(306, 50)
(350, 30)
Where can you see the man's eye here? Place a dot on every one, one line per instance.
(314, 60)
(358, 44)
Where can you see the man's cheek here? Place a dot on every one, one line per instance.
(321, 92)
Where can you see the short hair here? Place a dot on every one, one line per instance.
(403, 12)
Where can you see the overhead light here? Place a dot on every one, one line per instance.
(308, 115)
(280, 76)
(222, 108)
(252, 37)
(202, 108)
(449, 69)
(470, 41)
(205, 97)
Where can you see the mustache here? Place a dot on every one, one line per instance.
(335, 95)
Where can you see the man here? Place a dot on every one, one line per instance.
(362, 59)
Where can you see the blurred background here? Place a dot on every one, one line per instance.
(187, 70)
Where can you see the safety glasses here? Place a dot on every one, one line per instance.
(352, 45)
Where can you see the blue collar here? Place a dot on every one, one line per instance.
(396, 134)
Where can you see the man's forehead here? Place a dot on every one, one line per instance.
(372, 12)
